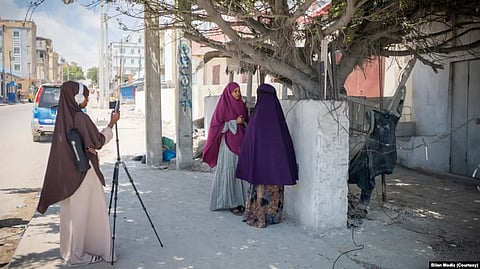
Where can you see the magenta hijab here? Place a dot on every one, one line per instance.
(227, 109)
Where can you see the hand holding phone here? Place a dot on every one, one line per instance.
(114, 117)
(117, 105)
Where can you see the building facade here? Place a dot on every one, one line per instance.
(44, 47)
(126, 58)
(18, 53)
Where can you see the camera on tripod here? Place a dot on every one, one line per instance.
(115, 105)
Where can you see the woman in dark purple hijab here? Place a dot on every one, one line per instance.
(267, 160)
(225, 135)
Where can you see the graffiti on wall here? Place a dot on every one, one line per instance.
(185, 77)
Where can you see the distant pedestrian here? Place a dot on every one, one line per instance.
(267, 160)
(225, 135)
(85, 235)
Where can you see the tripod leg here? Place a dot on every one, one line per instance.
(114, 185)
(141, 202)
(114, 195)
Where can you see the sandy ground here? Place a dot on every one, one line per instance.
(13, 225)
(426, 217)
(444, 210)
(440, 212)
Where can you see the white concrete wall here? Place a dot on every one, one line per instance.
(393, 72)
(431, 112)
(320, 137)
(168, 110)
(200, 93)
(435, 157)
(430, 99)
(319, 201)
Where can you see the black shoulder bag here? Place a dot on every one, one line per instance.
(75, 140)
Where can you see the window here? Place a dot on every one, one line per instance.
(132, 61)
(16, 67)
(16, 50)
(132, 51)
(16, 34)
(216, 75)
(139, 50)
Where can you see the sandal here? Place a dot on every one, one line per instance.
(96, 259)
(236, 211)
(241, 208)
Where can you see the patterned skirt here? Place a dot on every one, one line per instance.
(264, 205)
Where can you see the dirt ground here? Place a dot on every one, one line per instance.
(444, 210)
(13, 225)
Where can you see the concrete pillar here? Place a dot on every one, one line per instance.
(250, 104)
(153, 102)
(284, 95)
(184, 128)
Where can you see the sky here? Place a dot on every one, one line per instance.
(74, 29)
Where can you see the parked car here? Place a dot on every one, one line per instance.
(45, 110)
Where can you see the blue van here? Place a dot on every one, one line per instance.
(45, 110)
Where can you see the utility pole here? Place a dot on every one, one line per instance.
(101, 65)
(11, 73)
(153, 96)
(4, 78)
(120, 80)
(106, 66)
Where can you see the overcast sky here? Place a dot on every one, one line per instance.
(73, 29)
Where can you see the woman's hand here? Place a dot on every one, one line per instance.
(241, 119)
(114, 117)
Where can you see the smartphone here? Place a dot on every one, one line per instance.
(115, 105)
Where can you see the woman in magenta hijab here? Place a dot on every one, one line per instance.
(225, 136)
(267, 160)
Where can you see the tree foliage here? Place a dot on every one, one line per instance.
(92, 74)
(283, 38)
(72, 72)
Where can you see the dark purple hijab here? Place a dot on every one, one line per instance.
(267, 156)
(227, 109)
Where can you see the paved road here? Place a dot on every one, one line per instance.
(22, 162)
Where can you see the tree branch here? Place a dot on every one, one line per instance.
(345, 18)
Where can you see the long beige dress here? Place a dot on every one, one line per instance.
(84, 222)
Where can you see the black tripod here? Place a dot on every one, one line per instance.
(114, 192)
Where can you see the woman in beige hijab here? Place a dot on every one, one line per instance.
(85, 235)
